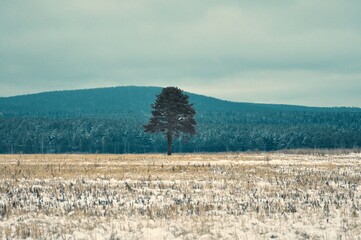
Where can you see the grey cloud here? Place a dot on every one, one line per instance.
(46, 45)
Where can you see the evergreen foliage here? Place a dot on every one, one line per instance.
(172, 115)
(111, 121)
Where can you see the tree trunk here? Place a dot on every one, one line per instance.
(170, 140)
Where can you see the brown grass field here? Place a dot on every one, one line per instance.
(188, 196)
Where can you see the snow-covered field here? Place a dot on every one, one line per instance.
(193, 196)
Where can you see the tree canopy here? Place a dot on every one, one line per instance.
(172, 115)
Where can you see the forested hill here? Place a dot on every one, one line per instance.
(122, 101)
(110, 120)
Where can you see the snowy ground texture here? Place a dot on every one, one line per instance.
(205, 196)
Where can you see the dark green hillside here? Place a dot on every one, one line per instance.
(110, 120)
(122, 101)
(102, 102)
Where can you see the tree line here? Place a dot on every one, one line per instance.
(216, 132)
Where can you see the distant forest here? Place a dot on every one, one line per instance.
(227, 127)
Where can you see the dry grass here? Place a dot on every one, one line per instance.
(209, 196)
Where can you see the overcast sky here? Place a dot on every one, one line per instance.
(301, 52)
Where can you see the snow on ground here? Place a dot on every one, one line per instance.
(195, 196)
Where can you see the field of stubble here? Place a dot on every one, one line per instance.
(205, 196)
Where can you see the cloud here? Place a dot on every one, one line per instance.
(312, 88)
(197, 44)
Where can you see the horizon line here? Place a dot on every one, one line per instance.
(199, 94)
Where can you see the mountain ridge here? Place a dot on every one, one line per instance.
(123, 100)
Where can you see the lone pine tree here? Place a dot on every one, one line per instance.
(172, 115)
